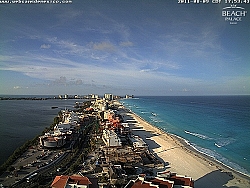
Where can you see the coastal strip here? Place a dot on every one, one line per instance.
(180, 157)
(107, 135)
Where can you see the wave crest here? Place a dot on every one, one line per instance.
(224, 142)
(204, 137)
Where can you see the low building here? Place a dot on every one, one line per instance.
(52, 141)
(125, 129)
(111, 139)
(94, 96)
(141, 183)
(74, 181)
(63, 128)
(109, 115)
(129, 96)
(138, 143)
(162, 180)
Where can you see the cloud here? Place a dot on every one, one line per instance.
(20, 87)
(78, 82)
(202, 45)
(158, 66)
(95, 57)
(62, 81)
(69, 14)
(126, 44)
(45, 46)
(17, 87)
(48, 68)
(65, 47)
(103, 46)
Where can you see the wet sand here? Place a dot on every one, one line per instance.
(181, 158)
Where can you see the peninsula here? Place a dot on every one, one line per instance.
(101, 144)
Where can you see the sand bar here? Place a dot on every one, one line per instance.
(181, 158)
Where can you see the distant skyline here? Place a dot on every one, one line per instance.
(142, 47)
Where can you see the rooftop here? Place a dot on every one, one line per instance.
(63, 180)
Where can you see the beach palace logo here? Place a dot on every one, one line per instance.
(233, 14)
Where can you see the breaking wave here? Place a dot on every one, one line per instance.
(218, 142)
(204, 137)
(221, 142)
(144, 112)
(220, 158)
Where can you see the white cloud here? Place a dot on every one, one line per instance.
(67, 73)
(185, 89)
(98, 57)
(45, 46)
(65, 47)
(48, 68)
(64, 81)
(103, 46)
(60, 81)
(126, 44)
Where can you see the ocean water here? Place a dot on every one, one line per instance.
(218, 126)
(22, 120)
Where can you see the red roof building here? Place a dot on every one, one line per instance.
(154, 183)
(75, 181)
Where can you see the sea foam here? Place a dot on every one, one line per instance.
(204, 137)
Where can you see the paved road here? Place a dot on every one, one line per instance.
(31, 161)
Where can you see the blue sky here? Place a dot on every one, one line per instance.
(142, 47)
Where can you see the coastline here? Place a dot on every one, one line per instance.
(184, 158)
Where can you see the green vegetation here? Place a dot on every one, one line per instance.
(81, 151)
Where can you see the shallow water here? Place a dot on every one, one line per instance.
(218, 126)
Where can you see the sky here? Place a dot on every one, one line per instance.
(136, 47)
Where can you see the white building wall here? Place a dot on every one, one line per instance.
(76, 186)
(110, 138)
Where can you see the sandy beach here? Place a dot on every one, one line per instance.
(181, 158)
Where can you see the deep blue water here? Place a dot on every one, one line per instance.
(218, 126)
(22, 120)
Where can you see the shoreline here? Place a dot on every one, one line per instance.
(212, 159)
(185, 142)
(226, 173)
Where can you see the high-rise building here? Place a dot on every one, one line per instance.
(108, 96)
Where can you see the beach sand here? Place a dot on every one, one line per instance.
(181, 158)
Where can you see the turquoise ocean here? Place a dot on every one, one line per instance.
(218, 126)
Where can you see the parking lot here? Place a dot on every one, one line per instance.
(30, 163)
